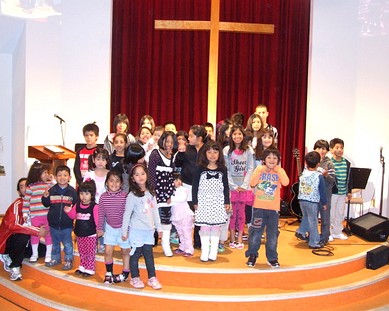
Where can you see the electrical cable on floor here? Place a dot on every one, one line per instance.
(13, 303)
(324, 251)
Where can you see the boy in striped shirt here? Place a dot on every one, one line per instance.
(341, 188)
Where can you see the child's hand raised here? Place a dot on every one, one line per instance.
(46, 193)
(182, 148)
(67, 209)
(51, 179)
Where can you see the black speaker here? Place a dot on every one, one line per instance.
(371, 227)
(377, 257)
(284, 209)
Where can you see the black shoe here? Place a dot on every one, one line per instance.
(86, 275)
(251, 261)
(301, 237)
(78, 272)
(117, 278)
(317, 246)
(274, 264)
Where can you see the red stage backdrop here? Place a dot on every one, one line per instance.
(164, 73)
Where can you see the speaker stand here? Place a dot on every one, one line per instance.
(358, 179)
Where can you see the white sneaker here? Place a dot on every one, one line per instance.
(330, 238)
(340, 236)
(7, 261)
(15, 274)
(137, 282)
(154, 283)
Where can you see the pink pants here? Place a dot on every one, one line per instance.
(87, 251)
(184, 230)
(238, 217)
(39, 221)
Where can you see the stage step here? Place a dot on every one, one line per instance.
(333, 285)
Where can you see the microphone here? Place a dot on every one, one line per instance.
(59, 118)
(381, 152)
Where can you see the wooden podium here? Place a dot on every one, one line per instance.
(53, 155)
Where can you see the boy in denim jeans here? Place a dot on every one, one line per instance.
(61, 226)
(312, 192)
(266, 180)
(327, 169)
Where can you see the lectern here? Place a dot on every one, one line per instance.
(53, 155)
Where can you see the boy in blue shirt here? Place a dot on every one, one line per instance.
(312, 192)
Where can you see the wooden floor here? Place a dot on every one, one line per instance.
(334, 279)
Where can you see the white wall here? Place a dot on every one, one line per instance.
(348, 88)
(5, 127)
(67, 72)
(12, 90)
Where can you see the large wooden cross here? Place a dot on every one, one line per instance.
(215, 26)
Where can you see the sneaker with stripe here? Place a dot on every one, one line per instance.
(251, 261)
(7, 261)
(274, 263)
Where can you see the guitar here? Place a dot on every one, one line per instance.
(294, 205)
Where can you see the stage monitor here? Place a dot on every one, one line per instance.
(371, 227)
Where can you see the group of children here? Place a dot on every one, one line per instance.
(323, 187)
(131, 191)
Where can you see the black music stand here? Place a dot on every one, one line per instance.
(358, 180)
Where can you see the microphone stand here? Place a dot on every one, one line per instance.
(382, 160)
(62, 134)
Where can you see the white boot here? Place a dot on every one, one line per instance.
(34, 256)
(214, 247)
(204, 247)
(48, 252)
(165, 241)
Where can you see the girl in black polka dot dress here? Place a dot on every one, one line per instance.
(161, 165)
(211, 198)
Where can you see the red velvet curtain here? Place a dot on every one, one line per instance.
(164, 73)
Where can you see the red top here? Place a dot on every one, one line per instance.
(13, 223)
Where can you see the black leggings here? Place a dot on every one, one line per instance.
(147, 251)
(15, 248)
